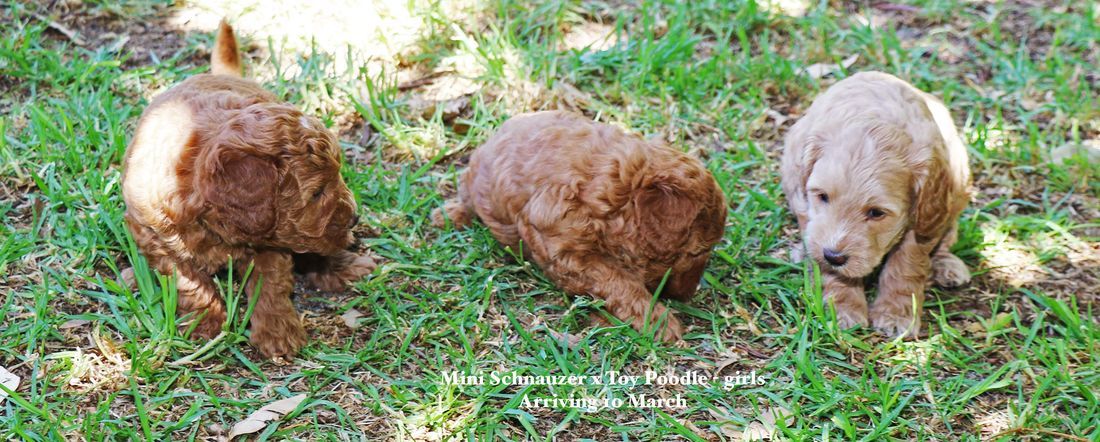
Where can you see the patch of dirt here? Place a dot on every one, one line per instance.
(150, 39)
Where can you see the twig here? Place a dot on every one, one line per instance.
(64, 30)
(425, 80)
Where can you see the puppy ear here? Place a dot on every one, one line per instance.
(929, 212)
(239, 186)
(665, 212)
(810, 153)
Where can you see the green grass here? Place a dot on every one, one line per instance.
(1015, 355)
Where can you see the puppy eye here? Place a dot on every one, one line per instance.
(823, 197)
(319, 193)
(875, 214)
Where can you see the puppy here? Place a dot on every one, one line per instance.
(602, 212)
(875, 171)
(218, 170)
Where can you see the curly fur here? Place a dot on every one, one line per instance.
(219, 169)
(602, 212)
(874, 145)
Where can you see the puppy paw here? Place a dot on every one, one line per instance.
(850, 305)
(798, 253)
(673, 331)
(361, 266)
(452, 209)
(282, 339)
(337, 271)
(848, 318)
(208, 327)
(666, 326)
(948, 271)
(895, 320)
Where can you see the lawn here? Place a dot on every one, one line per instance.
(413, 87)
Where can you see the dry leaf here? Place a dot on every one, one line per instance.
(747, 317)
(756, 431)
(818, 70)
(351, 318)
(776, 414)
(9, 380)
(570, 339)
(73, 323)
(1089, 149)
(730, 360)
(260, 418)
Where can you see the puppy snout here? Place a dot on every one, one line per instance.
(834, 257)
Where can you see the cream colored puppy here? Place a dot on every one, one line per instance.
(875, 171)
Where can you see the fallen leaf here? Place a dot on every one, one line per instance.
(260, 418)
(8, 380)
(351, 318)
(570, 339)
(747, 317)
(819, 70)
(73, 323)
(755, 431)
(730, 360)
(776, 414)
(1088, 149)
(128, 278)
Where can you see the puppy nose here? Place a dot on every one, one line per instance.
(834, 257)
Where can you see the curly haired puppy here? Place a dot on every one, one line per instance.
(220, 169)
(601, 211)
(875, 171)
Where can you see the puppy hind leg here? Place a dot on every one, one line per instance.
(948, 271)
(276, 329)
(332, 273)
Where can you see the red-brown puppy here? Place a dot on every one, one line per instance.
(876, 171)
(220, 169)
(601, 211)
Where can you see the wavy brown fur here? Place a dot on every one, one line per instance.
(602, 212)
(219, 169)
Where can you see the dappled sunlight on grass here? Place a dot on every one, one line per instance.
(1017, 250)
(1008, 259)
(365, 30)
(791, 8)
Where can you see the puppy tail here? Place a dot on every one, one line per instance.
(225, 60)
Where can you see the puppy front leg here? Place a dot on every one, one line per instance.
(626, 297)
(897, 310)
(276, 329)
(454, 209)
(196, 293)
(332, 273)
(847, 297)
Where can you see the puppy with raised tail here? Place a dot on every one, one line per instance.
(876, 173)
(601, 211)
(220, 169)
